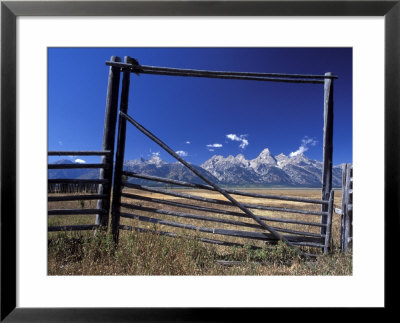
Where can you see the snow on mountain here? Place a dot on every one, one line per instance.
(270, 170)
(155, 166)
(264, 158)
(281, 159)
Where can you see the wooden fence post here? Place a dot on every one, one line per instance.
(119, 157)
(347, 215)
(349, 219)
(346, 232)
(329, 223)
(328, 145)
(110, 120)
(344, 205)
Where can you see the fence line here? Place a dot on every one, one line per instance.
(213, 219)
(69, 185)
(220, 202)
(268, 237)
(72, 188)
(75, 211)
(81, 227)
(76, 197)
(220, 211)
(230, 191)
(75, 166)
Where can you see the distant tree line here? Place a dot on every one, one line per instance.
(72, 188)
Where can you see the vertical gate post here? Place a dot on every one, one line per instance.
(119, 157)
(347, 212)
(328, 146)
(110, 120)
(344, 205)
(328, 234)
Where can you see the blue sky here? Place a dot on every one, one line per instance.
(202, 117)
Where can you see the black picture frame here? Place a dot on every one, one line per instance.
(10, 10)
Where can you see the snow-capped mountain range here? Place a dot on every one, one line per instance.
(267, 169)
(155, 166)
(264, 170)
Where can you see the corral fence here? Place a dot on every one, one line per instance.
(72, 188)
(346, 212)
(220, 216)
(68, 185)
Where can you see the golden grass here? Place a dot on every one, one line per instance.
(153, 254)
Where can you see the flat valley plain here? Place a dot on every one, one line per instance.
(152, 253)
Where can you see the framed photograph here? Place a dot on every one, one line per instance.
(45, 53)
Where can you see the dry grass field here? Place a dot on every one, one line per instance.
(86, 253)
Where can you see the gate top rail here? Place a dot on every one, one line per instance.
(272, 77)
(79, 153)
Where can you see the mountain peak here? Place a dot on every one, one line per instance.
(265, 157)
(265, 152)
(63, 161)
(263, 162)
(282, 159)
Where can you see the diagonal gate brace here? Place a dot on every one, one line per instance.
(215, 186)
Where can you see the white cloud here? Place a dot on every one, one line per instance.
(242, 139)
(211, 147)
(232, 136)
(188, 142)
(182, 153)
(80, 161)
(154, 155)
(244, 143)
(305, 142)
(214, 145)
